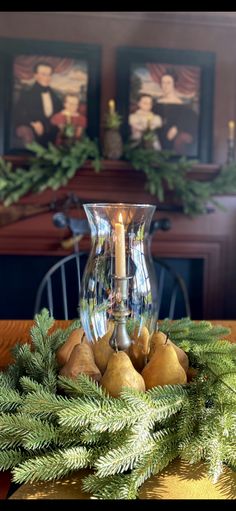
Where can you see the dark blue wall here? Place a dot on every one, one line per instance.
(20, 277)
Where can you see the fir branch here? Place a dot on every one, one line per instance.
(109, 487)
(194, 451)
(43, 323)
(42, 435)
(214, 430)
(229, 452)
(7, 379)
(220, 378)
(15, 428)
(22, 355)
(20, 429)
(165, 451)
(43, 368)
(11, 457)
(155, 405)
(80, 413)
(29, 385)
(10, 400)
(214, 347)
(52, 465)
(122, 459)
(125, 486)
(10, 377)
(216, 364)
(108, 415)
(213, 451)
(89, 437)
(38, 361)
(59, 336)
(187, 330)
(190, 415)
(82, 385)
(44, 404)
(167, 392)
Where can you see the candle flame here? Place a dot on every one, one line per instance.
(120, 218)
(111, 104)
(231, 128)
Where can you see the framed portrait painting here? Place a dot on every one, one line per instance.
(46, 86)
(171, 92)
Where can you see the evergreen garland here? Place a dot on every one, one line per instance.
(51, 167)
(54, 166)
(51, 425)
(163, 173)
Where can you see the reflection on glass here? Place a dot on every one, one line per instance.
(99, 283)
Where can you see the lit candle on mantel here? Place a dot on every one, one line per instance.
(120, 269)
(231, 126)
(111, 105)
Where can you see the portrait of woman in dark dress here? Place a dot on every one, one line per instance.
(179, 131)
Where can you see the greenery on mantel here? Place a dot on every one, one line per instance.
(50, 167)
(52, 425)
(54, 166)
(163, 173)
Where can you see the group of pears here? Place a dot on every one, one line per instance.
(147, 363)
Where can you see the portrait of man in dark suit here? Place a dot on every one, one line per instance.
(36, 106)
(40, 87)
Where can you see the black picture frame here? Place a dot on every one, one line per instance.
(87, 56)
(132, 64)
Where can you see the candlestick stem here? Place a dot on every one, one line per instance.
(120, 339)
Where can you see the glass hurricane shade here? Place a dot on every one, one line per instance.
(118, 271)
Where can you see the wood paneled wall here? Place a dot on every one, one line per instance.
(215, 32)
(210, 237)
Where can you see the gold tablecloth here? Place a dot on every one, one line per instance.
(178, 481)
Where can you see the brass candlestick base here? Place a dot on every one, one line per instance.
(120, 339)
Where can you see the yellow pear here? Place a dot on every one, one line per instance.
(81, 360)
(102, 349)
(139, 348)
(63, 353)
(159, 338)
(163, 368)
(120, 373)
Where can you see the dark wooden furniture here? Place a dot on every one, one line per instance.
(210, 237)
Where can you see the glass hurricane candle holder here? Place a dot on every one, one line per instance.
(117, 283)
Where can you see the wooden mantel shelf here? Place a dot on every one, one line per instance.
(117, 181)
(199, 171)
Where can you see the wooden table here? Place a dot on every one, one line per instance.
(13, 331)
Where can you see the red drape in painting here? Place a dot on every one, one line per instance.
(24, 64)
(188, 77)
